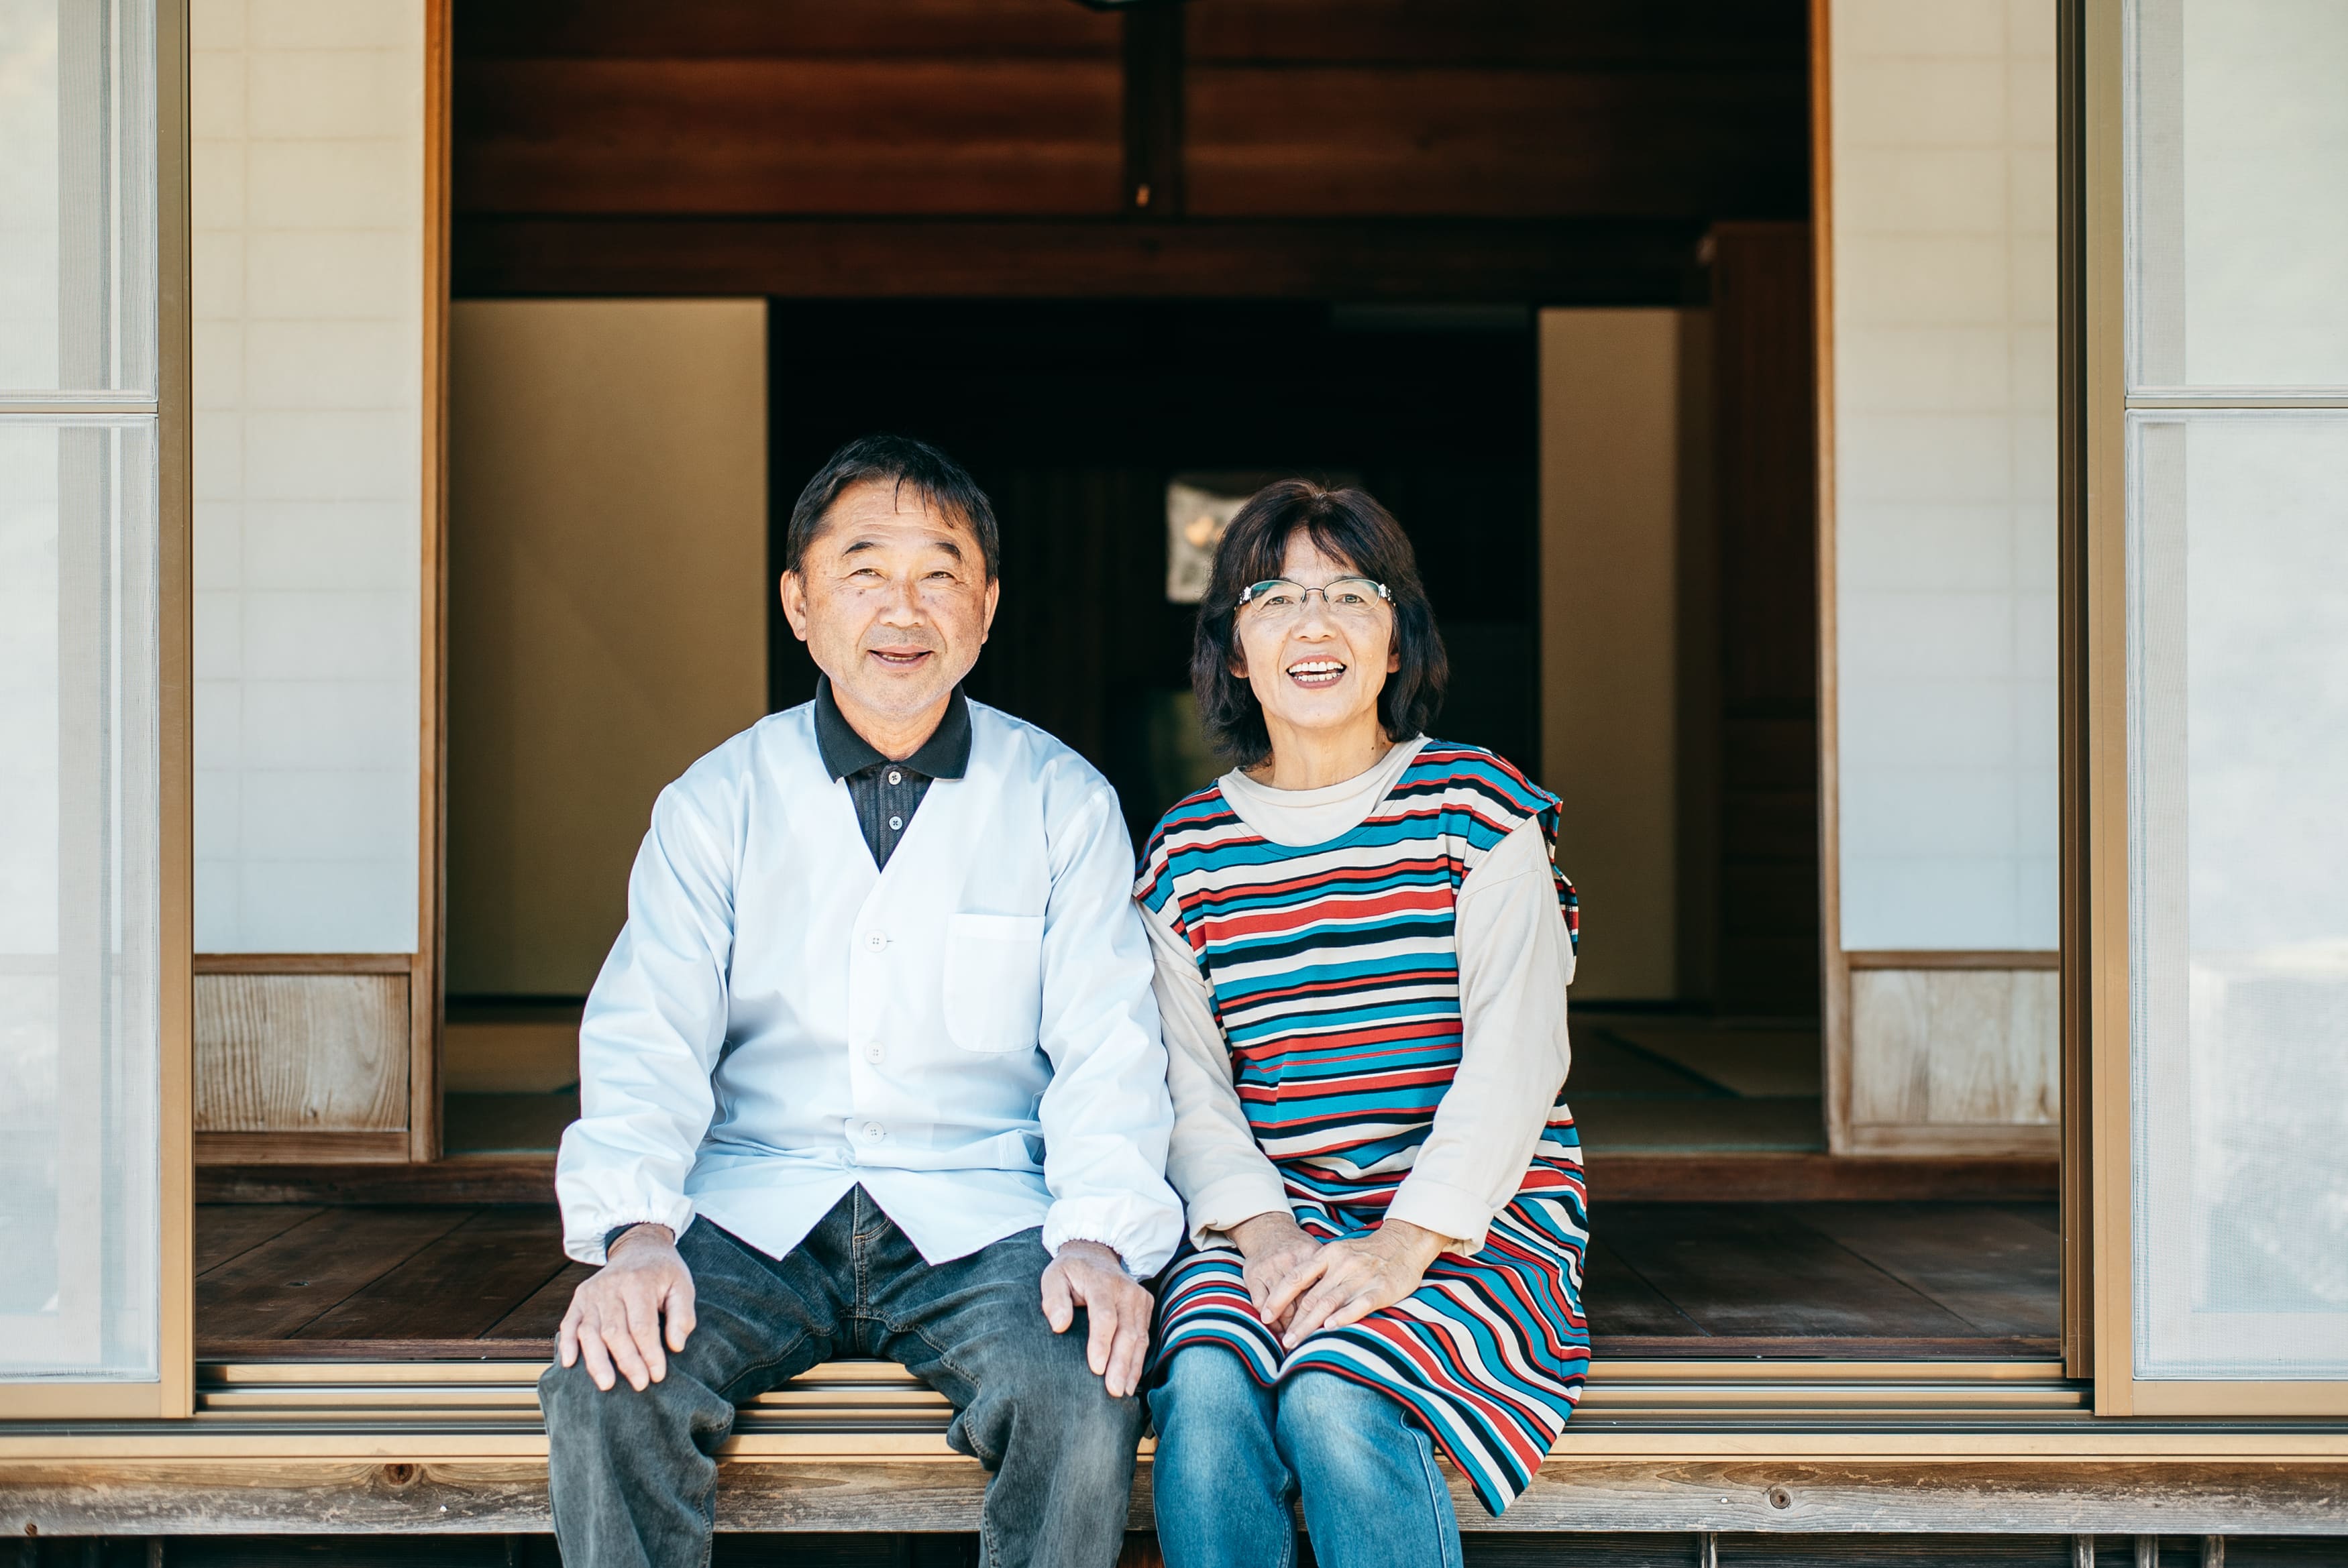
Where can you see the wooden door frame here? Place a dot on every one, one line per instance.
(426, 1000)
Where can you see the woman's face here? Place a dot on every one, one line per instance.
(1317, 668)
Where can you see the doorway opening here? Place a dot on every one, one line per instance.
(1090, 423)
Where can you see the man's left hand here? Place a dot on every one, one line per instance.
(1088, 1275)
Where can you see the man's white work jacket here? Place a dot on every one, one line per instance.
(968, 1034)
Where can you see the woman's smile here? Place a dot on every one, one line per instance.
(1312, 674)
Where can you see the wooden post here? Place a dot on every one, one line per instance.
(2083, 1552)
(1708, 1550)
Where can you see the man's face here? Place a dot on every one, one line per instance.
(893, 601)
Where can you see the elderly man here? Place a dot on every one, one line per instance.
(873, 1069)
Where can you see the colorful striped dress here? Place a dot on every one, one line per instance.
(1334, 975)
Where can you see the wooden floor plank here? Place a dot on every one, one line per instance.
(1994, 1268)
(226, 1230)
(1751, 1269)
(1619, 1302)
(540, 1315)
(276, 1287)
(456, 1287)
(1663, 1279)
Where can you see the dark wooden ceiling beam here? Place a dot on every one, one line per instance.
(1153, 111)
(1541, 262)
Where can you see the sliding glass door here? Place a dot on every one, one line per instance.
(2223, 656)
(93, 1016)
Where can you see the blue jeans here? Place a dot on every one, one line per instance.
(1233, 1454)
(635, 1475)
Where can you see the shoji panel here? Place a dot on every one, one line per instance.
(1943, 267)
(309, 349)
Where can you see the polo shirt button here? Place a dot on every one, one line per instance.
(895, 822)
(896, 777)
(876, 940)
(873, 1131)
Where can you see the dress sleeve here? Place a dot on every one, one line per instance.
(1214, 1161)
(1516, 959)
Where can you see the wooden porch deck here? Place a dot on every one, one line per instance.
(1966, 1281)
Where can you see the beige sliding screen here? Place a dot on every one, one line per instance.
(2217, 183)
(94, 1201)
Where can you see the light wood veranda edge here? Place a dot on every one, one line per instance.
(1785, 1495)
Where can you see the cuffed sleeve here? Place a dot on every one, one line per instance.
(1105, 1116)
(1214, 1160)
(1516, 959)
(653, 1026)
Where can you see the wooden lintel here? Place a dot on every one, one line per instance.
(1776, 1498)
(1562, 261)
(517, 1179)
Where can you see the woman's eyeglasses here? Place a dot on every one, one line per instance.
(1353, 599)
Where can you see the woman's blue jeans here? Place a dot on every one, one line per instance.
(1232, 1455)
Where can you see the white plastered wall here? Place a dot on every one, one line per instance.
(309, 221)
(1613, 402)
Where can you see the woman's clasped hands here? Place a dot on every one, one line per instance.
(1300, 1286)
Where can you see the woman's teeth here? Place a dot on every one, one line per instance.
(1316, 673)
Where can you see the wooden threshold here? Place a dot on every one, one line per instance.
(1648, 1178)
(340, 1150)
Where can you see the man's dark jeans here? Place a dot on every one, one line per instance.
(635, 1480)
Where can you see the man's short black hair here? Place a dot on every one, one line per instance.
(901, 461)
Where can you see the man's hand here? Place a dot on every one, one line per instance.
(616, 1313)
(1276, 1249)
(1088, 1275)
(1351, 1279)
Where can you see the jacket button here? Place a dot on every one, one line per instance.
(876, 940)
(873, 1130)
(872, 1052)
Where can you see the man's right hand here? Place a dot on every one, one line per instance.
(616, 1314)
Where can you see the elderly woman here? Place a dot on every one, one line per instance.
(1363, 951)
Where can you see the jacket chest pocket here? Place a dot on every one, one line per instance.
(994, 981)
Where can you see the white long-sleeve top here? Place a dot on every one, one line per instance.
(1515, 960)
(968, 1034)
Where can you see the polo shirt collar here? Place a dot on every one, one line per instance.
(944, 755)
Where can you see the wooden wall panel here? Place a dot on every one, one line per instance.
(801, 30)
(1958, 1061)
(301, 1052)
(762, 135)
(1331, 140)
(1764, 35)
(1765, 497)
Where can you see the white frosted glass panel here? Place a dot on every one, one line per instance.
(307, 124)
(2239, 213)
(80, 941)
(1944, 279)
(76, 197)
(2238, 921)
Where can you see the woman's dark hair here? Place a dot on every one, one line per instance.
(1345, 525)
(901, 461)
